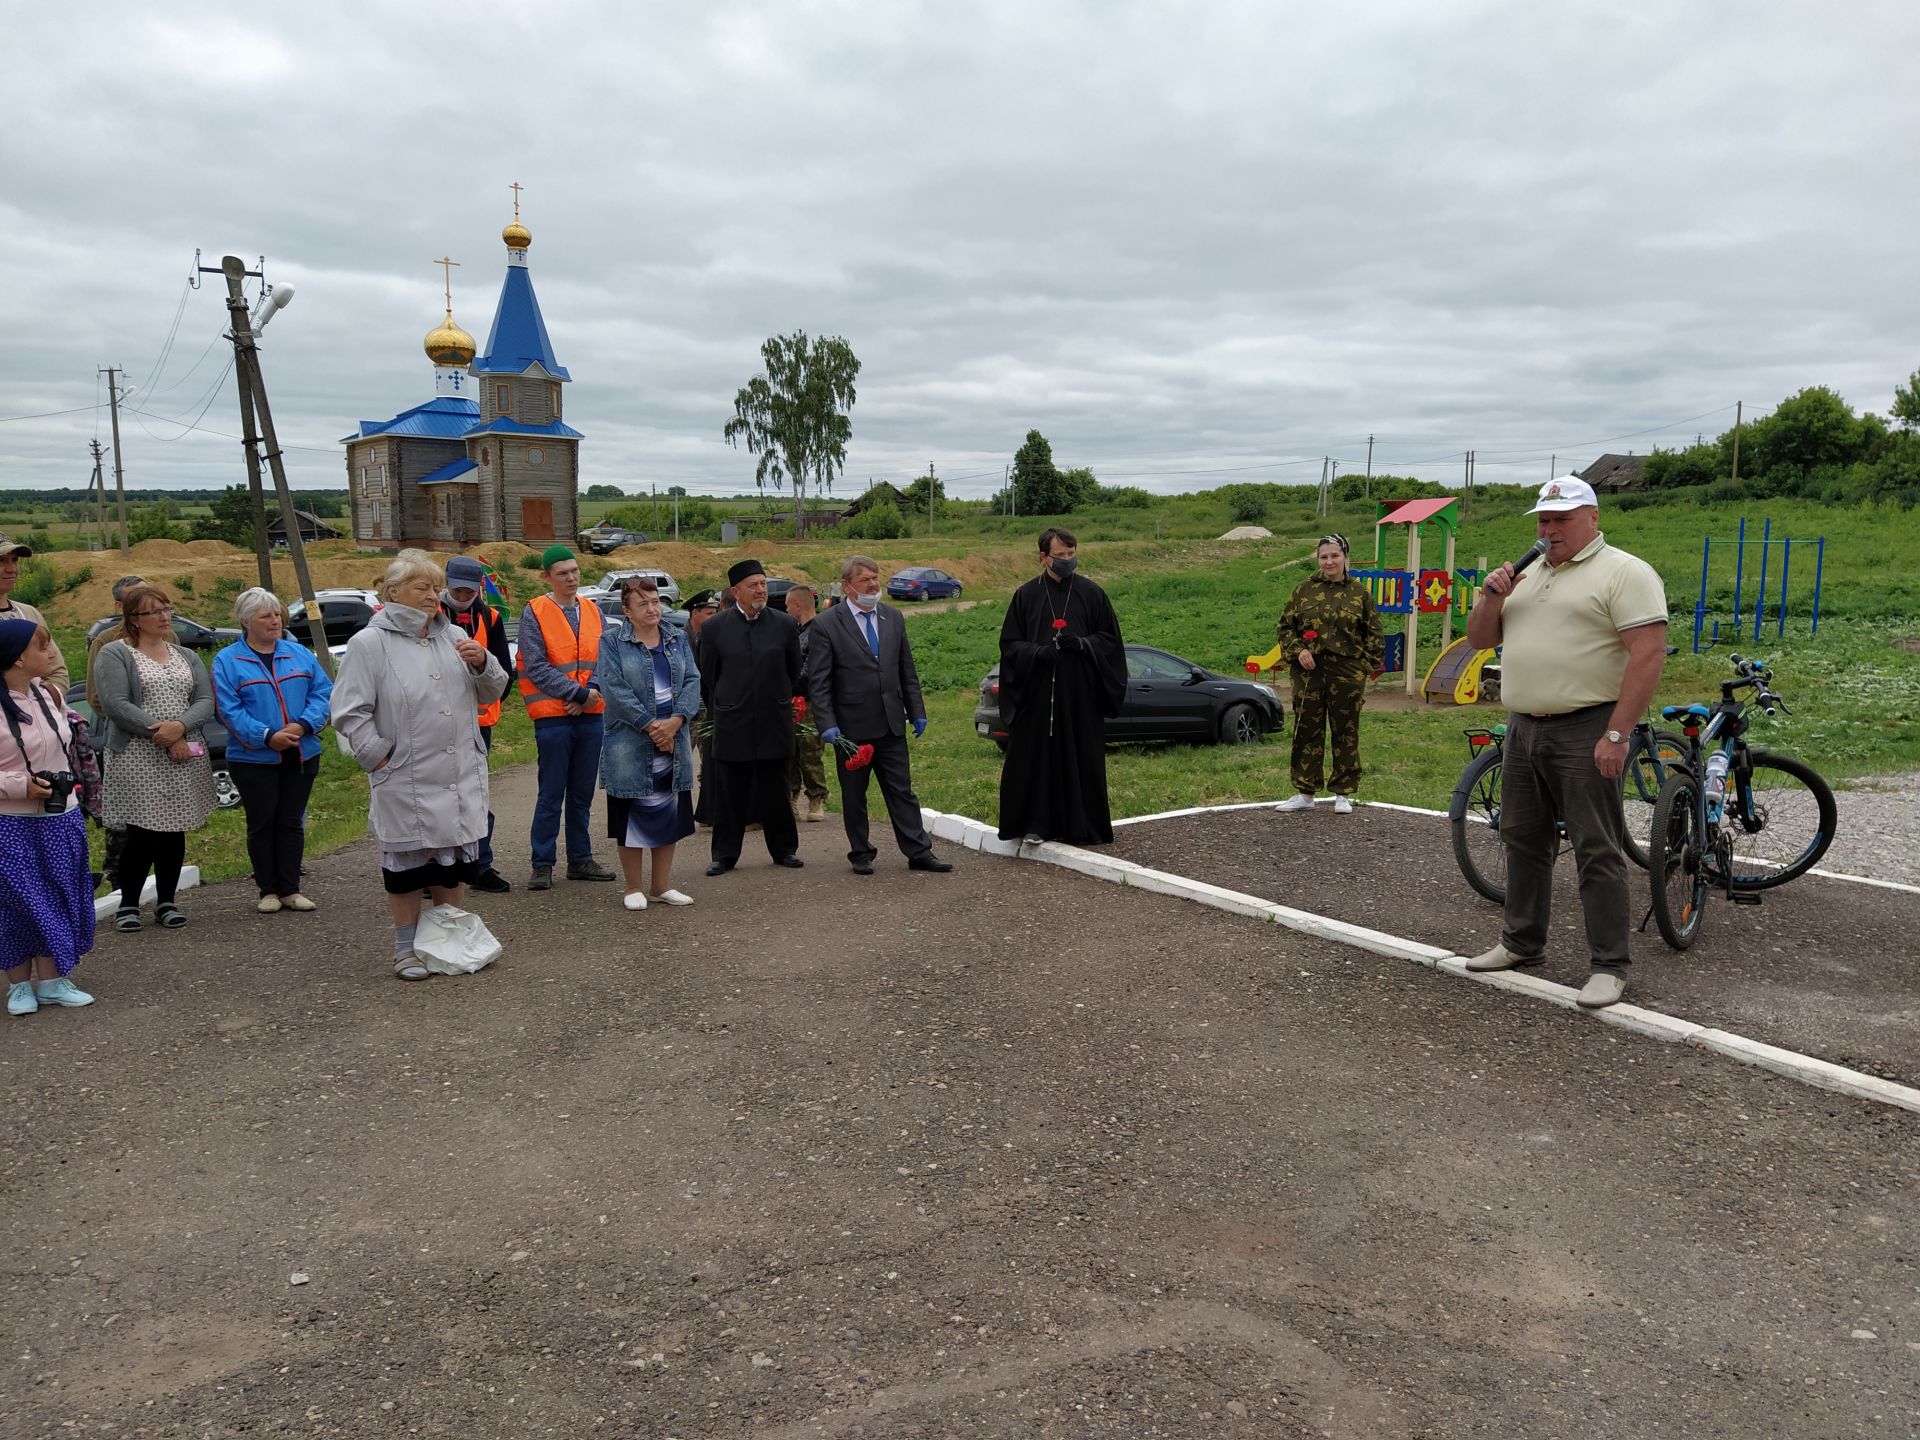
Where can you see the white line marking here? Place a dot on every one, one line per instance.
(1653, 1024)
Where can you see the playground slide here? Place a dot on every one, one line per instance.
(1257, 663)
(1455, 676)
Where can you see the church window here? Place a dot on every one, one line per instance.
(486, 455)
(502, 399)
(536, 456)
(554, 387)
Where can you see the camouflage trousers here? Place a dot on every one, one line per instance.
(1327, 699)
(807, 770)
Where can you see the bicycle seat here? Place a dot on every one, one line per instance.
(1676, 712)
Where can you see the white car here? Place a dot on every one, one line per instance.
(669, 587)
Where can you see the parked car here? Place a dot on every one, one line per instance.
(225, 794)
(190, 633)
(344, 613)
(669, 587)
(608, 604)
(920, 582)
(1168, 698)
(605, 542)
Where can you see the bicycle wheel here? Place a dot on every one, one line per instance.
(1781, 820)
(1678, 861)
(1646, 770)
(1474, 817)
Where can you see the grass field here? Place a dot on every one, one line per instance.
(1855, 689)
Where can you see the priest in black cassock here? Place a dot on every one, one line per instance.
(1063, 670)
(750, 671)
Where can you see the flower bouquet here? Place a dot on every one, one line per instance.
(852, 756)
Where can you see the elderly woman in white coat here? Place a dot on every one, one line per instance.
(406, 705)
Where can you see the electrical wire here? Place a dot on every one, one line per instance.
(44, 414)
(166, 346)
(212, 392)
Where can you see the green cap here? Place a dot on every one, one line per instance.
(553, 555)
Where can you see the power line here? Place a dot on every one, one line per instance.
(167, 420)
(44, 414)
(166, 346)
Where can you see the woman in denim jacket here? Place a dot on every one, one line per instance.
(652, 688)
(272, 696)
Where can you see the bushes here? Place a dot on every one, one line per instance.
(881, 520)
(37, 583)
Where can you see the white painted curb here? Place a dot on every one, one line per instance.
(102, 908)
(1654, 1025)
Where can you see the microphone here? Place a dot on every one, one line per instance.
(1534, 552)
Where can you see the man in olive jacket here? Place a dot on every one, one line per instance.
(749, 672)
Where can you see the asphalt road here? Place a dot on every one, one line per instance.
(1005, 1152)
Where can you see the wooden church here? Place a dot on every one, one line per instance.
(490, 456)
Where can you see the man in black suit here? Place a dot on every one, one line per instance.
(864, 691)
(749, 661)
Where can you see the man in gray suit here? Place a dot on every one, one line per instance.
(864, 691)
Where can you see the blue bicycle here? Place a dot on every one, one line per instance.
(1732, 817)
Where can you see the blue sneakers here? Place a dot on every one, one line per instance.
(20, 998)
(61, 992)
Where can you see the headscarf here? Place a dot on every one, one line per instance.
(15, 637)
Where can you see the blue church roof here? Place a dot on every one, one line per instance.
(452, 470)
(518, 340)
(503, 426)
(445, 417)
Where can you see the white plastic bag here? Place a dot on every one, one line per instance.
(452, 941)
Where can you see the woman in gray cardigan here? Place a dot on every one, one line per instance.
(159, 782)
(406, 705)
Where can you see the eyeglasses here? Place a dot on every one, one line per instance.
(161, 610)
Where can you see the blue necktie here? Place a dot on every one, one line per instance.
(873, 633)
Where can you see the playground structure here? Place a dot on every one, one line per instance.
(1459, 673)
(1767, 542)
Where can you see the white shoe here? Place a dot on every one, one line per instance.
(636, 900)
(1603, 988)
(1295, 804)
(1342, 805)
(673, 897)
(1499, 958)
(298, 901)
(269, 905)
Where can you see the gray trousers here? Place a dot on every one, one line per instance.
(1548, 771)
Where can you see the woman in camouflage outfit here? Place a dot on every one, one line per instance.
(1330, 632)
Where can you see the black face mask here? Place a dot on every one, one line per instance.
(1063, 565)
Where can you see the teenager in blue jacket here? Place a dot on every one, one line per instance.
(273, 697)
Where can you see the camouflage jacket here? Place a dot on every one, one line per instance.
(1335, 618)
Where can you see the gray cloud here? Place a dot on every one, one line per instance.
(1171, 241)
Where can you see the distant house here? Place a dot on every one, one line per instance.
(312, 529)
(1611, 474)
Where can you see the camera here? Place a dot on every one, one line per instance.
(62, 783)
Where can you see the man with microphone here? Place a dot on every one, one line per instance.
(1584, 637)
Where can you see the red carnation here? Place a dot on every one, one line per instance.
(1309, 634)
(861, 758)
(799, 707)
(1060, 624)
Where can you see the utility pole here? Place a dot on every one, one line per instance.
(929, 499)
(98, 494)
(250, 447)
(1736, 437)
(1553, 466)
(246, 360)
(1367, 493)
(655, 485)
(119, 473)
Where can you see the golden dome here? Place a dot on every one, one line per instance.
(448, 344)
(517, 236)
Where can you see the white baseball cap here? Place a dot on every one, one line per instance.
(1569, 492)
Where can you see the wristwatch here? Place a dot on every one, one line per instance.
(1614, 737)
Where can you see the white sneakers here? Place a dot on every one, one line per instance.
(1342, 805)
(1294, 804)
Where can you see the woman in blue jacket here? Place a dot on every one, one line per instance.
(652, 688)
(272, 696)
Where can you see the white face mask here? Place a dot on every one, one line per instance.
(866, 602)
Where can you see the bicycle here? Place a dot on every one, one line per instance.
(1733, 817)
(1473, 813)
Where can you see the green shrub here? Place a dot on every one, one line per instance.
(76, 579)
(529, 562)
(879, 521)
(183, 584)
(37, 583)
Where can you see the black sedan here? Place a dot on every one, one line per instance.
(190, 633)
(605, 542)
(1168, 698)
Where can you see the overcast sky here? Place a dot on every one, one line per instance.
(1190, 244)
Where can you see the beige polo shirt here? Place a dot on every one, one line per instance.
(1560, 629)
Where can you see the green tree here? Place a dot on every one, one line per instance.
(605, 492)
(1814, 427)
(679, 490)
(1036, 479)
(794, 417)
(153, 522)
(1078, 488)
(1906, 402)
(880, 520)
(231, 520)
(916, 493)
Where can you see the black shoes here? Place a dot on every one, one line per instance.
(792, 862)
(929, 862)
(862, 867)
(493, 883)
(719, 867)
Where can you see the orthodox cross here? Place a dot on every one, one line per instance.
(446, 269)
(516, 187)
